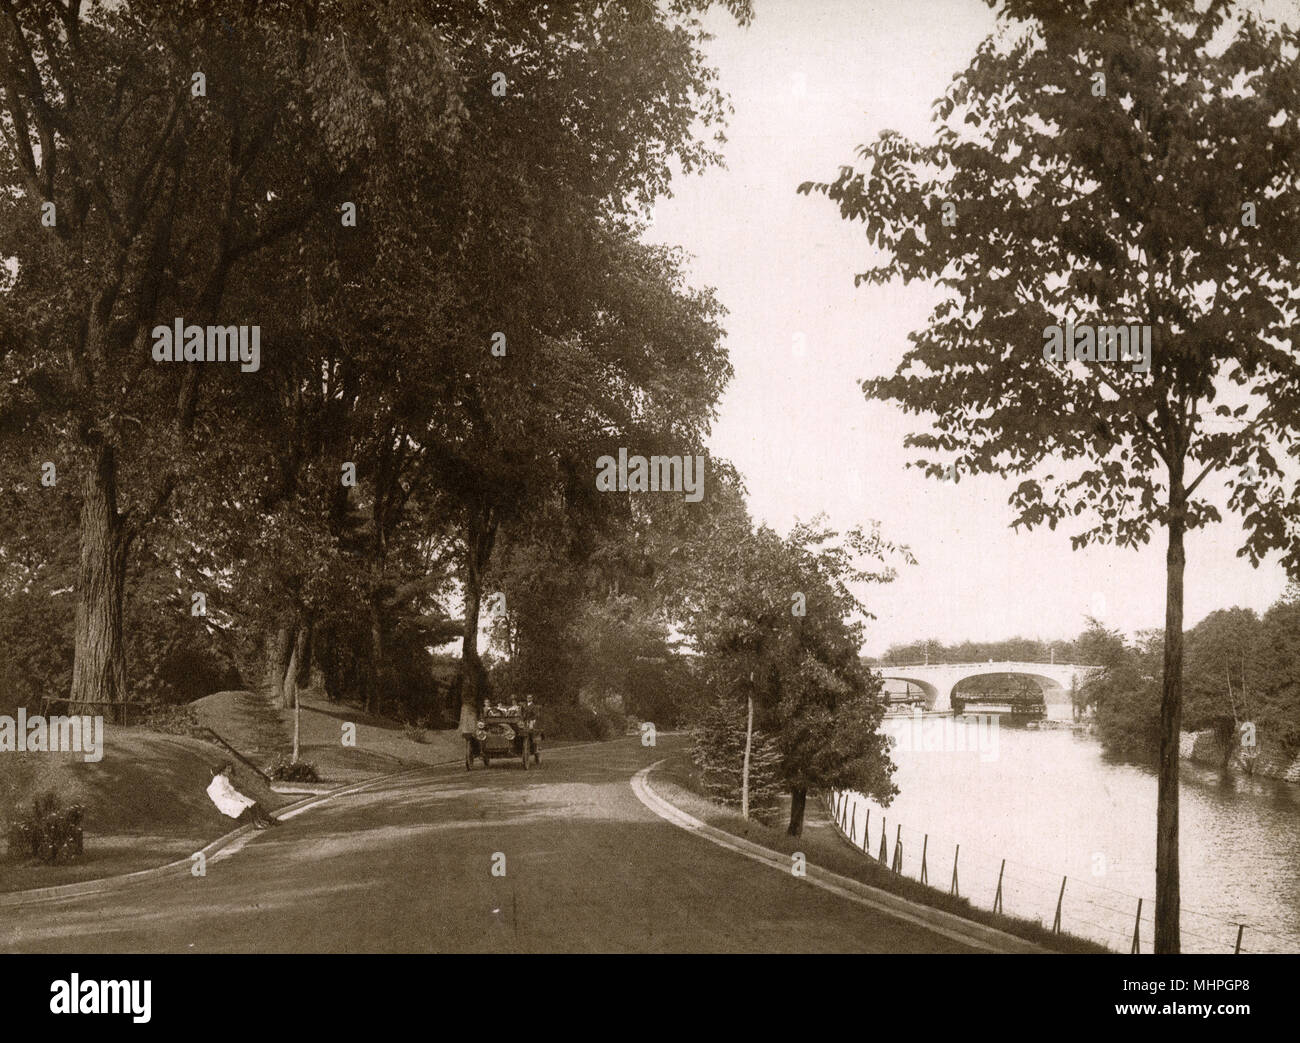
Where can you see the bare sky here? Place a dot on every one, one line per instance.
(810, 80)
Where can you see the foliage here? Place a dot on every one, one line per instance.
(718, 751)
(47, 831)
(774, 619)
(579, 722)
(1008, 650)
(285, 769)
(1240, 668)
(477, 213)
(171, 719)
(1125, 694)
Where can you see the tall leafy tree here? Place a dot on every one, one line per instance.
(1103, 163)
(148, 151)
(779, 628)
(596, 335)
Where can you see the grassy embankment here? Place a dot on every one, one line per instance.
(677, 780)
(145, 801)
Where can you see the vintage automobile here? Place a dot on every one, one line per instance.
(504, 731)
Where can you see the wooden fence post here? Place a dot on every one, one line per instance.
(1240, 927)
(898, 850)
(1056, 924)
(1137, 927)
(884, 850)
(997, 898)
(952, 889)
(925, 844)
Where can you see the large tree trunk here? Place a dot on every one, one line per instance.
(480, 535)
(1171, 719)
(280, 651)
(327, 655)
(292, 671)
(471, 667)
(375, 701)
(798, 802)
(99, 652)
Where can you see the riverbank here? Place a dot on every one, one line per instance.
(824, 845)
(1262, 760)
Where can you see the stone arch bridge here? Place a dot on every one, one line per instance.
(937, 680)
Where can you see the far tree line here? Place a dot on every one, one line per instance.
(1242, 677)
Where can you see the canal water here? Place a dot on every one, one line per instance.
(1054, 806)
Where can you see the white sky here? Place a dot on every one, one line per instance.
(811, 80)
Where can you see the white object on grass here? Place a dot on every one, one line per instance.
(229, 801)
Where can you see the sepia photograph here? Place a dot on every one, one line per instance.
(644, 477)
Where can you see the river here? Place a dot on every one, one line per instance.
(1054, 805)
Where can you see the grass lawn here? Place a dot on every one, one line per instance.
(145, 803)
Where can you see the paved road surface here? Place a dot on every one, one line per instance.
(406, 867)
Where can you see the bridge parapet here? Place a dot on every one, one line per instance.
(984, 663)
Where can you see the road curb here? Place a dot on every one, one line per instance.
(949, 925)
(11, 899)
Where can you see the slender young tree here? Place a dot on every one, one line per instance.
(1107, 164)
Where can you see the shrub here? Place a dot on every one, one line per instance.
(47, 831)
(415, 732)
(286, 770)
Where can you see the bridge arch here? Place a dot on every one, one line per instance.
(938, 681)
(931, 692)
(1050, 688)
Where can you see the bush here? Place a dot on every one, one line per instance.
(47, 831)
(286, 770)
(415, 732)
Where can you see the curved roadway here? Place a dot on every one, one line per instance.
(406, 866)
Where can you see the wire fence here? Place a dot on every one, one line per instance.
(1069, 904)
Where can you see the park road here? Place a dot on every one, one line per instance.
(407, 866)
